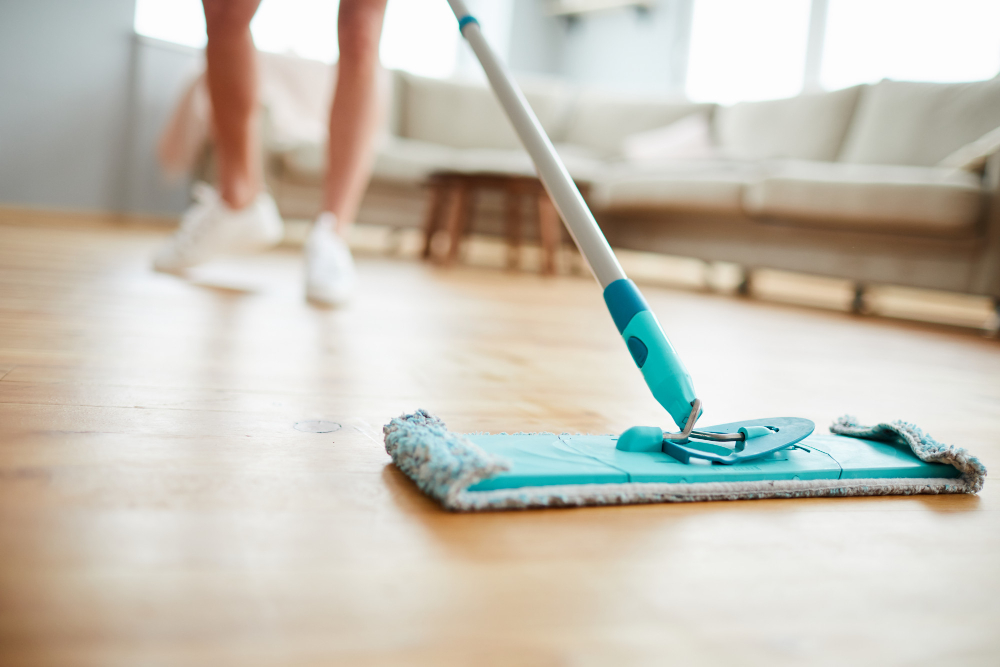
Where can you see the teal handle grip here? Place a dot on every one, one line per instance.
(662, 369)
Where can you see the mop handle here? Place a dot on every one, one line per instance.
(652, 352)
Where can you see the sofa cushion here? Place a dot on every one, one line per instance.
(579, 162)
(807, 127)
(903, 122)
(468, 115)
(708, 185)
(413, 161)
(395, 160)
(915, 199)
(602, 120)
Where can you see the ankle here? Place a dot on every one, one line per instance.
(239, 195)
(327, 222)
(326, 219)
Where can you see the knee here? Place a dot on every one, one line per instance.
(228, 17)
(359, 27)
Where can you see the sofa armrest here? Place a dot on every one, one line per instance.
(991, 173)
(987, 277)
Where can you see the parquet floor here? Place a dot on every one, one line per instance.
(158, 507)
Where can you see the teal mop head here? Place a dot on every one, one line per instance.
(533, 470)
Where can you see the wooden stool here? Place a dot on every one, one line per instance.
(451, 207)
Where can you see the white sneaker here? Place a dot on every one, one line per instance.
(209, 228)
(330, 273)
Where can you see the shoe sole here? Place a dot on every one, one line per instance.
(248, 249)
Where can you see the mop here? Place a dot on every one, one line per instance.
(763, 458)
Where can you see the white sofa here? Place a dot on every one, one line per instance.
(894, 182)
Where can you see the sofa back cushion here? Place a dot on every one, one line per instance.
(468, 115)
(601, 120)
(910, 123)
(807, 127)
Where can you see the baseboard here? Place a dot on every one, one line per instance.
(649, 268)
(27, 215)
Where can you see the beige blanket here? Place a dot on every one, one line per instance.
(294, 93)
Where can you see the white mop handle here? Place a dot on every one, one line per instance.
(557, 181)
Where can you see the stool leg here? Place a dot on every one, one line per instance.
(548, 231)
(514, 219)
(458, 218)
(435, 209)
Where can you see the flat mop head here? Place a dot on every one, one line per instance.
(532, 470)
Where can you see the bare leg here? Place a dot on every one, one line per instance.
(356, 110)
(232, 86)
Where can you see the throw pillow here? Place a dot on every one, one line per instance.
(689, 138)
(972, 156)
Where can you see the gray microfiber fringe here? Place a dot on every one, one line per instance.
(925, 447)
(442, 463)
(445, 464)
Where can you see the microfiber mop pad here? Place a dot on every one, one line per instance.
(530, 470)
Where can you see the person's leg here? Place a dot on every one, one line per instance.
(356, 111)
(240, 217)
(232, 86)
(354, 119)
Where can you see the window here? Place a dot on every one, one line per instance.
(917, 40)
(744, 50)
(419, 36)
(177, 21)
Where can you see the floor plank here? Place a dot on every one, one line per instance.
(157, 505)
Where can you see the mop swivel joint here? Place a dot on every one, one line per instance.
(726, 443)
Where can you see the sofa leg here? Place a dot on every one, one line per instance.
(745, 286)
(435, 211)
(994, 329)
(513, 213)
(858, 306)
(549, 228)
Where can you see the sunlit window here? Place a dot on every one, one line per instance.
(742, 50)
(305, 28)
(918, 40)
(177, 21)
(419, 36)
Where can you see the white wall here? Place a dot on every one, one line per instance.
(624, 49)
(629, 49)
(64, 73)
(82, 102)
(536, 41)
(162, 72)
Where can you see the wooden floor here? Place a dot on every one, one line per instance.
(158, 507)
